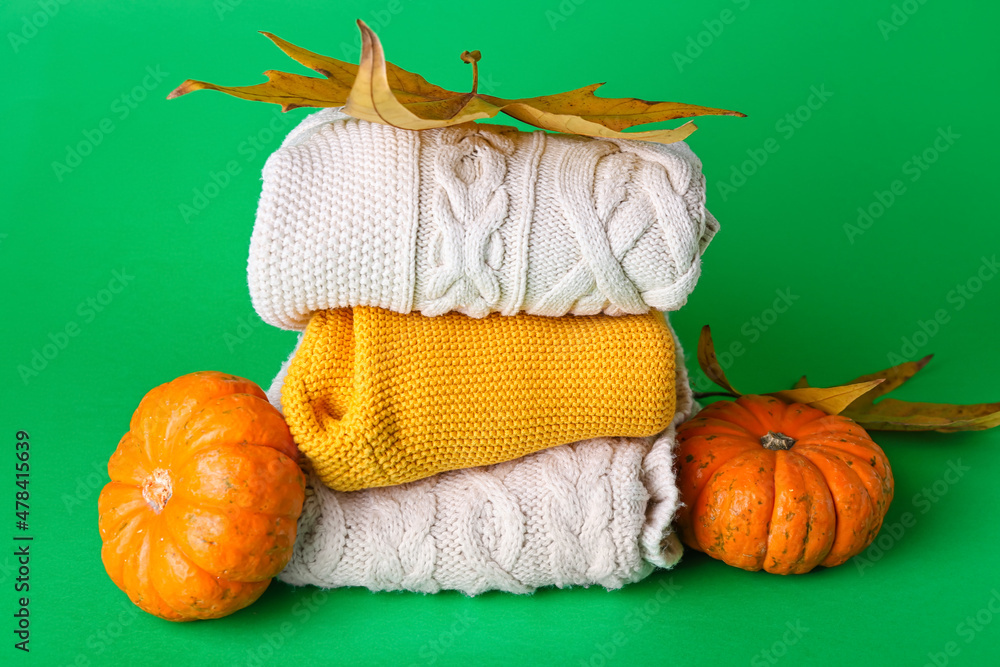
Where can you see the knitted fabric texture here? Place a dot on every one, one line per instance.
(474, 218)
(595, 512)
(376, 398)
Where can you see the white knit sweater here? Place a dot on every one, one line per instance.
(595, 512)
(474, 218)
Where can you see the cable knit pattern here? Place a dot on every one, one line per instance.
(470, 205)
(377, 398)
(474, 218)
(593, 512)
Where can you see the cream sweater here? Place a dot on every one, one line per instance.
(474, 218)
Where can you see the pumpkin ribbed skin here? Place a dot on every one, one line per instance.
(204, 498)
(819, 502)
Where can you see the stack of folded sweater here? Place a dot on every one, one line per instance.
(485, 389)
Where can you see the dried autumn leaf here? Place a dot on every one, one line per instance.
(831, 400)
(378, 91)
(894, 377)
(856, 400)
(891, 414)
(294, 90)
(371, 98)
(709, 362)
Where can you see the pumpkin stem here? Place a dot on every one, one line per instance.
(157, 489)
(776, 441)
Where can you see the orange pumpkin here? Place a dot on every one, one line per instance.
(777, 486)
(204, 499)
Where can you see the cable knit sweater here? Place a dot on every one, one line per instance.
(593, 512)
(474, 218)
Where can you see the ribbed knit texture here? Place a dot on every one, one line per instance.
(375, 398)
(595, 512)
(474, 218)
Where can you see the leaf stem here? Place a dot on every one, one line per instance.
(472, 57)
(707, 394)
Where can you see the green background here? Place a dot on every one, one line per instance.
(893, 78)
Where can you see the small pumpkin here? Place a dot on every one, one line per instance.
(777, 486)
(204, 498)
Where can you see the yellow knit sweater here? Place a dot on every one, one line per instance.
(376, 398)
